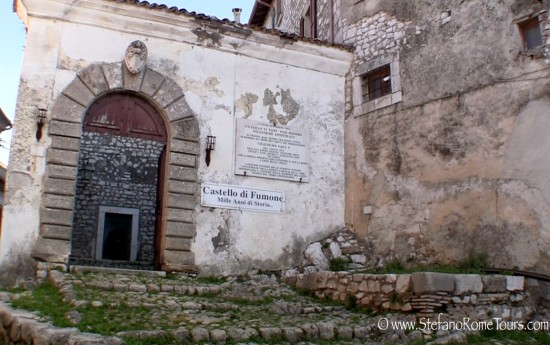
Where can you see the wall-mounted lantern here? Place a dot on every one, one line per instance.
(41, 115)
(210, 146)
(87, 170)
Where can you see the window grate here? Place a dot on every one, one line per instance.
(376, 83)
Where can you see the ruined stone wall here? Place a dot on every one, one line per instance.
(454, 165)
(491, 298)
(125, 173)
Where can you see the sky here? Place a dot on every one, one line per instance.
(12, 45)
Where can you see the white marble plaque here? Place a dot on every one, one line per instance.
(277, 152)
(242, 198)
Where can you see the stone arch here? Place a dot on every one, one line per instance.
(65, 131)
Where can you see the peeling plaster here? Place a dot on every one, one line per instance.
(65, 62)
(211, 84)
(223, 107)
(221, 241)
(245, 103)
(211, 38)
(270, 98)
(289, 106)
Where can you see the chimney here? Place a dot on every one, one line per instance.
(237, 14)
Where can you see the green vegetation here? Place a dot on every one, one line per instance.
(45, 300)
(212, 280)
(338, 264)
(167, 340)
(395, 299)
(251, 302)
(11, 290)
(106, 320)
(351, 302)
(128, 311)
(474, 264)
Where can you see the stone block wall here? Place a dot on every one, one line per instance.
(375, 36)
(125, 172)
(293, 11)
(477, 297)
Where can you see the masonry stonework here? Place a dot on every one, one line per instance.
(455, 296)
(449, 164)
(125, 174)
(443, 169)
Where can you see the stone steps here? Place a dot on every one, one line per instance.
(260, 309)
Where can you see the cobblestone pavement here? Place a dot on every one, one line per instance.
(259, 309)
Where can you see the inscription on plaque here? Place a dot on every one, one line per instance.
(242, 198)
(277, 152)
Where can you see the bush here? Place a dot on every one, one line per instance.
(338, 264)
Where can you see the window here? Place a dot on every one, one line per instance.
(279, 8)
(531, 33)
(376, 83)
(308, 23)
(313, 18)
(305, 25)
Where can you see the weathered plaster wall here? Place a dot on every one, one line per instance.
(457, 166)
(225, 72)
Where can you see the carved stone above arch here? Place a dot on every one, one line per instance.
(65, 131)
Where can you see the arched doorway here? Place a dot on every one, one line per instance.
(119, 189)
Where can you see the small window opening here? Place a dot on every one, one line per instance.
(376, 83)
(279, 9)
(305, 25)
(531, 33)
(117, 233)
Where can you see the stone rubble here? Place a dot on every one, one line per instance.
(341, 246)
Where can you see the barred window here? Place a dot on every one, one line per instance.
(376, 83)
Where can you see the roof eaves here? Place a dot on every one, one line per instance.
(202, 16)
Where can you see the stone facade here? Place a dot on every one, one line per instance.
(444, 177)
(62, 160)
(125, 173)
(201, 75)
(293, 11)
(450, 163)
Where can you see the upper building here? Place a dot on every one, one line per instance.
(446, 121)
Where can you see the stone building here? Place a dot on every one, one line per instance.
(446, 121)
(5, 124)
(154, 138)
